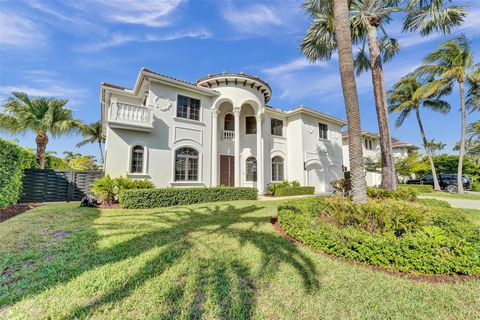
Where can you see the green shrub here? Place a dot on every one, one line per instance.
(107, 189)
(385, 216)
(342, 187)
(294, 191)
(406, 194)
(166, 197)
(420, 188)
(13, 160)
(286, 188)
(448, 244)
(476, 186)
(434, 203)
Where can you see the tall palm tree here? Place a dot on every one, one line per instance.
(349, 87)
(366, 17)
(69, 155)
(407, 96)
(41, 115)
(93, 134)
(452, 62)
(473, 92)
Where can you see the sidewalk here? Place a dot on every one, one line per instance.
(457, 203)
(270, 198)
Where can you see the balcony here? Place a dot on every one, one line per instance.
(228, 135)
(130, 116)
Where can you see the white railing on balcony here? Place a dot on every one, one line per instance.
(130, 114)
(228, 135)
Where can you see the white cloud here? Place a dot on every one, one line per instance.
(47, 91)
(118, 39)
(294, 65)
(252, 18)
(19, 31)
(151, 13)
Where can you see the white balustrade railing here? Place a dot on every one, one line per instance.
(127, 113)
(228, 135)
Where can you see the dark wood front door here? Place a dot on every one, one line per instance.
(227, 171)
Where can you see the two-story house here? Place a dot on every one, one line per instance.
(371, 149)
(217, 131)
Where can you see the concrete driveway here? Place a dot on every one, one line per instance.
(457, 203)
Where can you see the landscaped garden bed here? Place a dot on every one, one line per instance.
(388, 233)
(287, 188)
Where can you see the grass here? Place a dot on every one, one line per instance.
(467, 196)
(212, 261)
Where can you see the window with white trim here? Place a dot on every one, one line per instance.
(251, 169)
(322, 131)
(277, 169)
(136, 165)
(250, 125)
(186, 164)
(188, 108)
(276, 127)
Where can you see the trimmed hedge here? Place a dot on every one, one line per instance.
(166, 197)
(293, 191)
(448, 244)
(13, 159)
(420, 188)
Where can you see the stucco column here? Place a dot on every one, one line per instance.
(260, 167)
(236, 113)
(214, 171)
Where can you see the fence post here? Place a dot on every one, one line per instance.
(70, 189)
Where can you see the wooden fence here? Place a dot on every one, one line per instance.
(56, 185)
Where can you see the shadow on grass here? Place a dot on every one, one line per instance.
(228, 283)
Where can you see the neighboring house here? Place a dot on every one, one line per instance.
(371, 149)
(217, 131)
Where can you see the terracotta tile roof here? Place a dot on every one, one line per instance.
(114, 86)
(163, 75)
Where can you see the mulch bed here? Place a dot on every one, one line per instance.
(416, 277)
(15, 209)
(109, 206)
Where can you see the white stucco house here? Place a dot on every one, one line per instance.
(371, 149)
(216, 131)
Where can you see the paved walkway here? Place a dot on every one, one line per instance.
(270, 198)
(457, 203)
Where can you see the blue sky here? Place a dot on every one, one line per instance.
(67, 48)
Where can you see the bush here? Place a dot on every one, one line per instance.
(107, 189)
(166, 197)
(385, 217)
(446, 243)
(286, 188)
(420, 188)
(476, 186)
(342, 187)
(434, 203)
(406, 194)
(13, 160)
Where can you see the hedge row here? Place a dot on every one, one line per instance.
(166, 197)
(449, 244)
(420, 188)
(13, 159)
(293, 191)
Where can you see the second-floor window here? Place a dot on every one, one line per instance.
(250, 125)
(368, 144)
(277, 127)
(322, 130)
(188, 108)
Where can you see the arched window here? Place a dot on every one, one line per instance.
(186, 164)
(277, 169)
(137, 159)
(251, 169)
(229, 122)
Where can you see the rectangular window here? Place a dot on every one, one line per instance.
(250, 125)
(277, 127)
(323, 131)
(188, 108)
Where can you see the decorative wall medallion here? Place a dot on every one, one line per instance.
(163, 103)
(310, 128)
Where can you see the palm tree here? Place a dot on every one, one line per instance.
(366, 16)
(452, 62)
(435, 146)
(473, 92)
(41, 115)
(69, 155)
(407, 95)
(93, 134)
(349, 87)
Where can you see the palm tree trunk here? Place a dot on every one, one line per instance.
(462, 140)
(386, 154)
(42, 141)
(436, 185)
(349, 87)
(101, 152)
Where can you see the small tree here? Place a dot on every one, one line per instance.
(93, 134)
(434, 146)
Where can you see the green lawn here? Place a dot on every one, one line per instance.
(468, 196)
(212, 261)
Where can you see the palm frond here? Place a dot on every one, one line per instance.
(389, 48)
